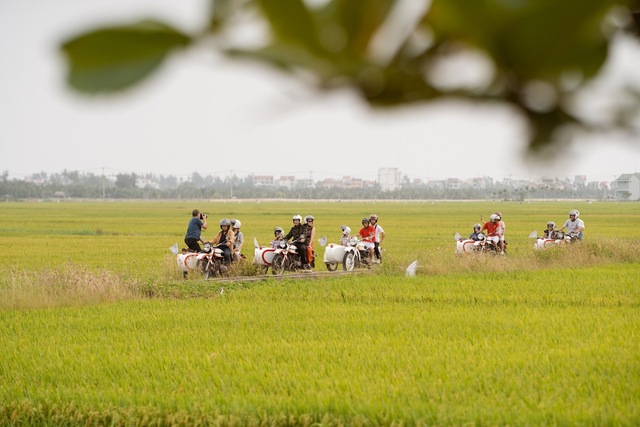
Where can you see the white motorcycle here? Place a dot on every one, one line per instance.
(352, 256)
(209, 262)
(482, 245)
(263, 256)
(558, 238)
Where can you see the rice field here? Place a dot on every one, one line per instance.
(98, 327)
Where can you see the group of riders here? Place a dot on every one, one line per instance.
(574, 226)
(495, 229)
(230, 239)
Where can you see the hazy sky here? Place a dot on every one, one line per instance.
(204, 114)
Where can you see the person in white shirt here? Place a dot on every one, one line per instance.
(373, 220)
(573, 225)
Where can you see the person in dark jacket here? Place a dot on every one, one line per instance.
(298, 235)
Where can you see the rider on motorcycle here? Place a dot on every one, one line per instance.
(493, 231)
(476, 232)
(373, 220)
(309, 237)
(297, 233)
(574, 226)
(278, 234)
(368, 234)
(550, 232)
(224, 239)
(345, 240)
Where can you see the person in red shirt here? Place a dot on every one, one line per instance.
(493, 230)
(368, 235)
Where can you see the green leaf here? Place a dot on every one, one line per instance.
(533, 39)
(291, 22)
(220, 11)
(361, 20)
(115, 58)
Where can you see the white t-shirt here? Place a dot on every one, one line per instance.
(378, 231)
(572, 226)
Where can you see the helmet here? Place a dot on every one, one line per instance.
(236, 223)
(493, 217)
(498, 213)
(551, 224)
(365, 220)
(233, 221)
(278, 232)
(307, 218)
(345, 230)
(225, 222)
(373, 216)
(298, 217)
(574, 212)
(477, 227)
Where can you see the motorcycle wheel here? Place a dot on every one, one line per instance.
(332, 266)
(349, 261)
(277, 265)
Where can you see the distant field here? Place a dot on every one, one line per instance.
(97, 326)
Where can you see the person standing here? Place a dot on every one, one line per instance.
(574, 226)
(197, 223)
(373, 220)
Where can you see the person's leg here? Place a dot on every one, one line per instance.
(193, 244)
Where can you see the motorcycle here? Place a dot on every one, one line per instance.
(559, 237)
(356, 255)
(287, 257)
(482, 245)
(263, 256)
(210, 262)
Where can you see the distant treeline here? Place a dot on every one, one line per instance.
(132, 186)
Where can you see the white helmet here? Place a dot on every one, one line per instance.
(237, 224)
(551, 224)
(493, 217)
(345, 230)
(574, 212)
(477, 227)
(298, 217)
(278, 232)
(373, 216)
(225, 222)
(308, 217)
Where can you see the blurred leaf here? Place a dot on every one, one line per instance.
(291, 22)
(114, 58)
(534, 39)
(220, 11)
(360, 20)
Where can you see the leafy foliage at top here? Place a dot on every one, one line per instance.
(389, 51)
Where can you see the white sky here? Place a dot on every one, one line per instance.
(202, 113)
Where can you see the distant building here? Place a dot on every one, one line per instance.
(287, 181)
(263, 180)
(627, 186)
(389, 179)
